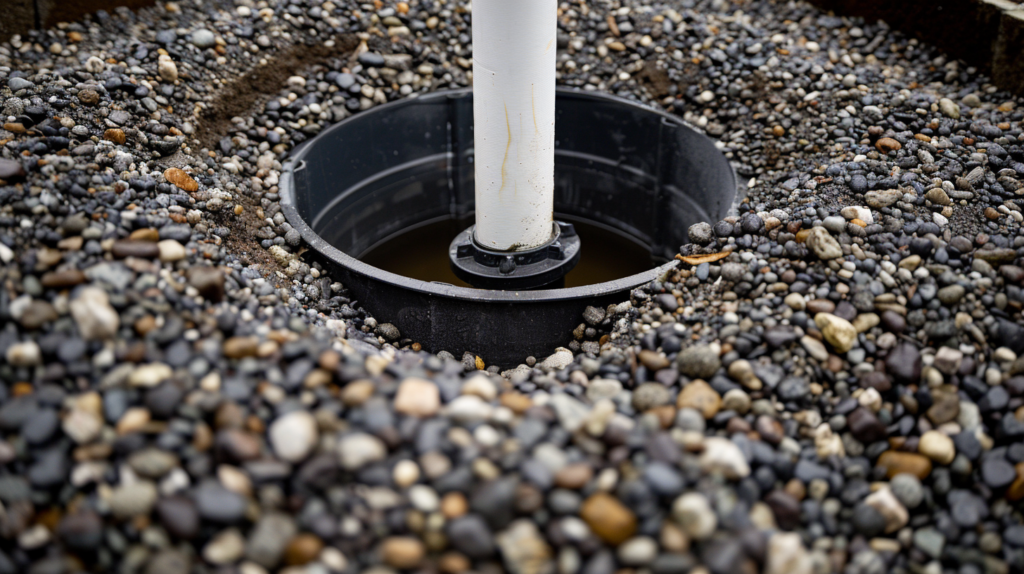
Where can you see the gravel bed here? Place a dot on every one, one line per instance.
(832, 381)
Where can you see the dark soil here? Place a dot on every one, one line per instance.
(242, 97)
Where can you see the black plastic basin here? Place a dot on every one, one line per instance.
(633, 170)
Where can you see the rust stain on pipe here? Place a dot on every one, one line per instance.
(533, 104)
(508, 145)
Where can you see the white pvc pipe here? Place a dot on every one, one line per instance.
(514, 46)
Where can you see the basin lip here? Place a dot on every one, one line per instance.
(317, 243)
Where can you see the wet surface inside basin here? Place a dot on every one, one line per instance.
(422, 253)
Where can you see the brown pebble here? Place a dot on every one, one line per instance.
(784, 506)
(516, 402)
(402, 552)
(886, 145)
(237, 445)
(574, 476)
(329, 360)
(896, 462)
(71, 243)
(991, 214)
(63, 279)
(14, 127)
(816, 306)
(202, 437)
(36, 314)
(145, 324)
(699, 395)
(666, 415)
(653, 360)
(228, 415)
(141, 249)
(770, 429)
(89, 97)
(47, 257)
(608, 518)
(1015, 491)
(945, 405)
(737, 425)
(454, 505)
(796, 488)
(238, 347)
(21, 389)
(453, 563)
(133, 420)
(181, 179)
(115, 135)
(303, 549)
(357, 393)
(145, 234)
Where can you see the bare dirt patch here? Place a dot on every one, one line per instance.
(253, 89)
(242, 97)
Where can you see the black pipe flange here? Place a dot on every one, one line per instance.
(543, 267)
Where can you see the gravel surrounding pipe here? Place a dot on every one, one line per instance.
(833, 381)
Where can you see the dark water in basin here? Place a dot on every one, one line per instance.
(422, 253)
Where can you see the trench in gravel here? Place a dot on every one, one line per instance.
(242, 97)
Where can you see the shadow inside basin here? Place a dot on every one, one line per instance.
(422, 253)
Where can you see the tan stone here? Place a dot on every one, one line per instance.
(608, 518)
(454, 505)
(357, 393)
(403, 552)
(238, 347)
(886, 145)
(181, 179)
(937, 446)
(839, 332)
(417, 397)
(302, 549)
(699, 395)
(115, 135)
(574, 476)
(133, 420)
(896, 462)
(1016, 490)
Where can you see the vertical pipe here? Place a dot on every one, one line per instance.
(514, 46)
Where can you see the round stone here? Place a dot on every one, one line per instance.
(694, 515)
(937, 446)
(293, 436)
(403, 552)
(698, 362)
(203, 38)
(133, 499)
(701, 233)
(608, 518)
(907, 489)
